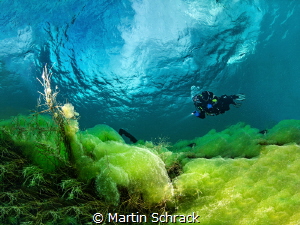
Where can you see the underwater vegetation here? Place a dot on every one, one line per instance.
(53, 173)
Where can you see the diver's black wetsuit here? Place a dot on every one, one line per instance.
(208, 103)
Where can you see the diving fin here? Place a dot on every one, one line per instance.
(240, 97)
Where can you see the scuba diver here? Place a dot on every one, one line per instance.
(207, 103)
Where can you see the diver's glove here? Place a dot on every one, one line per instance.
(240, 97)
(196, 113)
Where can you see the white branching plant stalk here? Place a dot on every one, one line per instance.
(64, 116)
(49, 95)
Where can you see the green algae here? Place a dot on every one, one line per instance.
(286, 131)
(105, 133)
(254, 181)
(261, 190)
(115, 164)
(38, 138)
(239, 140)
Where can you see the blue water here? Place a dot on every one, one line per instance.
(131, 63)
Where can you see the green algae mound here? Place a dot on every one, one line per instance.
(286, 131)
(38, 139)
(242, 191)
(239, 140)
(262, 190)
(117, 165)
(105, 133)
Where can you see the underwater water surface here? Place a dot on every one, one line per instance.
(131, 64)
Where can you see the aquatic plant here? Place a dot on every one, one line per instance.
(64, 116)
(33, 176)
(72, 188)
